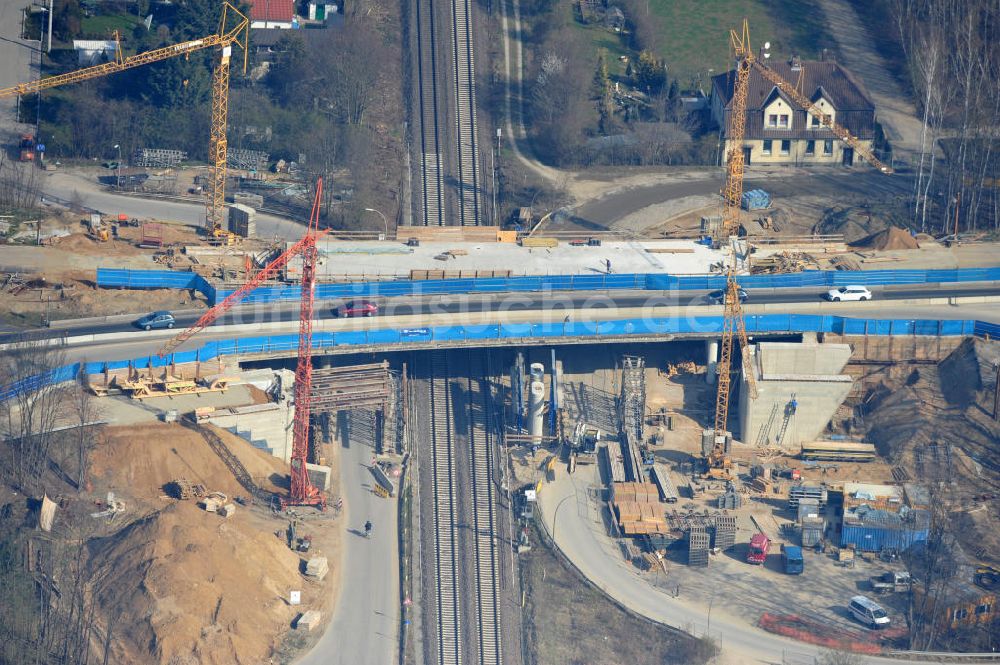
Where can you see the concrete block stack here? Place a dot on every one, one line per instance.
(698, 547)
(308, 620)
(730, 500)
(725, 531)
(317, 567)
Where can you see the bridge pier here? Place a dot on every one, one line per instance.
(712, 359)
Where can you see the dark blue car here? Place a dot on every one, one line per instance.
(156, 320)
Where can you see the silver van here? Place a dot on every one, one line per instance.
(868, 612)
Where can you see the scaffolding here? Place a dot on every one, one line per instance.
(632, 401)
(373, 395)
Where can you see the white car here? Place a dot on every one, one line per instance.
(849, 293)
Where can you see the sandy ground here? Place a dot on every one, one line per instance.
(203, 588)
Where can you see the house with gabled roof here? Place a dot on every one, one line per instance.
(269, 14)
(779, 131)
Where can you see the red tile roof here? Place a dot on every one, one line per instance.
(272, 10)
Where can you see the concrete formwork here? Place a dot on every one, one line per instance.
(807, 374)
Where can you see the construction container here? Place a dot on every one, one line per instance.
(812, 531)
(872, 530)
(808, 508)
(243, 220)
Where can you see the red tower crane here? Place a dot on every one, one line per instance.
(303, 492)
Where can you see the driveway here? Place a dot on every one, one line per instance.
(895, 111)
(365, 625)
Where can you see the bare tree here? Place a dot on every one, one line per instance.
(31, 405)
(87, 411)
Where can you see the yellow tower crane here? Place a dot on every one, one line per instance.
(234, 29)
(745, 62)
(732, 192)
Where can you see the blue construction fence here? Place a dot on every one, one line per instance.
(123, 278)
(167, 279)
(756, 324)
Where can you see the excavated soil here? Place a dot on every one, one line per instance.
(937, 424)
(891, 238)
(183, 586)
(139, 460)
(196, 588)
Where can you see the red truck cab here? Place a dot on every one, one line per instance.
(759, 546)
(27, 148)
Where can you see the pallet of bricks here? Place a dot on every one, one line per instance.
(637, 507)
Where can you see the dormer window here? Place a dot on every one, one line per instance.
(813, 122)
(772, 120)
(783, 121)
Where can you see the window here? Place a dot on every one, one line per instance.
(810, 147)
(985, 608)
(783, 120)
(772, 120)
(814, 122)
(786, 147)
(828, 147)
(767, 147)
(958, 615)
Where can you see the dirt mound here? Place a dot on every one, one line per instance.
(191, 587)
(937, 423)
(138, 460)
(891, 238)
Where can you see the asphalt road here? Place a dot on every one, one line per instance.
(579, 532)
(61, 188)
(572, 303)
(365, 624)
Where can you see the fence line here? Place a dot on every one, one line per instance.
(168, 279)
(758, 323)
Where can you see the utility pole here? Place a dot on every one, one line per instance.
(49, 49)
(496, 220)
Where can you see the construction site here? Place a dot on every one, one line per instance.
(255, 438)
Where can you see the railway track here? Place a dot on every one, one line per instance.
(431, 167)
(484, 513)
(465, 112)
(446, 564)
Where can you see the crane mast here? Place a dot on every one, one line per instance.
(303, 493)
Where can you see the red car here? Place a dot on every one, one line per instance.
(356, 308)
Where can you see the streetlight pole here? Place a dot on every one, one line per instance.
(119, 165)
(384, 221)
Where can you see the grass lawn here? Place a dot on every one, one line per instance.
(101, 27)
(695, 33)
(599, 37)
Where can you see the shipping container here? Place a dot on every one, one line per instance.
(872, 538)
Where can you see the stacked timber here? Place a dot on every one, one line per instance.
(637, 507)
(840, 451)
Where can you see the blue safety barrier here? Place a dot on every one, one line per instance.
(524, 332)
(167, 279)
